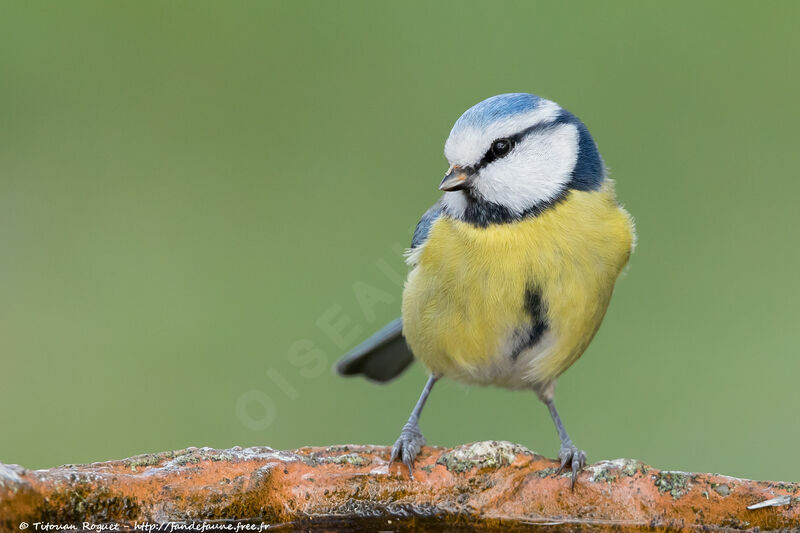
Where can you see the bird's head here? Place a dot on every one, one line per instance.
(512, 156)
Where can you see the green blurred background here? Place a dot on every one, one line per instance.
(201, 206)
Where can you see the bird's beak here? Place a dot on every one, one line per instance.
(456, 179)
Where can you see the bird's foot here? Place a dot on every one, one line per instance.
(573, 458)
(407, 446)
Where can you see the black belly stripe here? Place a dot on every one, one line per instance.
(537, 310)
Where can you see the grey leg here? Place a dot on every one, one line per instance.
(569, 453)
(411, 440)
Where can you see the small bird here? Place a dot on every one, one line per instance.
(512, 270)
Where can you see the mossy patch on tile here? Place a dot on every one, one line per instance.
(675, 483)
(352, 459)
(489, 454)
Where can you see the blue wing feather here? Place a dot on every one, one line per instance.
(425, 223)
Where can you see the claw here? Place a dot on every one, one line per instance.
(575, 458)
(410, 466)
(395, 453)
(563, 466)
(574, 475)
(407, 447)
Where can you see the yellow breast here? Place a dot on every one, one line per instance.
(465, 298)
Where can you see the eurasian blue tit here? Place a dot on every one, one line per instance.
(512, 270)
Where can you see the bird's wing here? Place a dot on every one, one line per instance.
(385, 355)
(425, 223)
(381, 357)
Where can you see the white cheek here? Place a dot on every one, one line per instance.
(535, 172)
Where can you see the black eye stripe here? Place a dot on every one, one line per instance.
(489, 156)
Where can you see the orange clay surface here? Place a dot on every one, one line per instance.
(484, 486)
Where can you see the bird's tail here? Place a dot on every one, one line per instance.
(382, 357)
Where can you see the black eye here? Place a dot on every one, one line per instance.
(501, 147)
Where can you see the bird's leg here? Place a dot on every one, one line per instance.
(569, 454)
(411, 440)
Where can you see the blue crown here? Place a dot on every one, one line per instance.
(495, 108)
